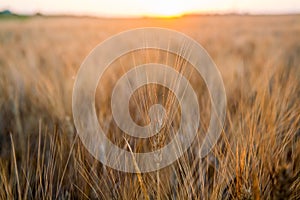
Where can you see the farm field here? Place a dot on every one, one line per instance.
(256, 157)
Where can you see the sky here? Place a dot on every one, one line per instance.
(119, 8)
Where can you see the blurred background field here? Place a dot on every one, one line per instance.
(257, 156)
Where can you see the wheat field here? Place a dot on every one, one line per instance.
(256, 157)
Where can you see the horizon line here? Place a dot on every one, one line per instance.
(115, 16)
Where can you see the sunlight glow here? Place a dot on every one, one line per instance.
(165, 8)
(148, 8)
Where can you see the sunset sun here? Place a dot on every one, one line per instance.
(165, 9)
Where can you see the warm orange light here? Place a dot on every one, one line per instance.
(165, 8)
